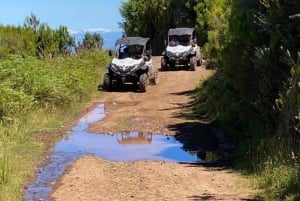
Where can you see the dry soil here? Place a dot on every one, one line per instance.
(156, 111)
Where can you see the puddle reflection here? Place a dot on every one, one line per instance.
(126, 146)
(130, 138)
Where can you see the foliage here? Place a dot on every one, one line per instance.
(212, 25)
(39, 77)
(32, 22)
(35, 39)
(91, 41)
(30, 83)
(153, 18)
(53, 42)
(281, 181)
(255, 94)
(17, 40)
(31, 91)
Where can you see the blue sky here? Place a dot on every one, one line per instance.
(74, 14)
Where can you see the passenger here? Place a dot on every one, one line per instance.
(173, 42)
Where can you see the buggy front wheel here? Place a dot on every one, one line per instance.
(163, 63)
(143, 82)
(193, 63)
(107, 82)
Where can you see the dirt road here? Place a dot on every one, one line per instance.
(158, 110)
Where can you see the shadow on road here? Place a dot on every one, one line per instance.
(207, 196)
(205, 139)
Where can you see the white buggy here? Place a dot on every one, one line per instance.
(181, 50)
(132, 62)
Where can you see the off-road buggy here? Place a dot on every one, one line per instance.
(131, 63)
(181, 50)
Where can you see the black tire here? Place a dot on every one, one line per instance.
(199, 57)
(107, 82)
(193, 63)
(199, 62)
(163, 63)
(143, 82)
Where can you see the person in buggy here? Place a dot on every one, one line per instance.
(173, 41)
(125, 53)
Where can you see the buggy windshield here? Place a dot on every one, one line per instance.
(133, 47)
(181, 31)
(180, 36)
(132, 41)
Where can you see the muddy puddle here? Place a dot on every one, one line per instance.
(130, 146)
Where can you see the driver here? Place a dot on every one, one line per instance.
(125, 53)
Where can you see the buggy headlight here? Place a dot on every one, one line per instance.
(113, 67)
(135, 67)
(170, 54)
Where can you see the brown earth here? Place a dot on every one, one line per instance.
(162, 109)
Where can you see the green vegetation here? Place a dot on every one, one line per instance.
(38, 97)
(153, 18)
(254, 95)
(43, 86)
(91, 41)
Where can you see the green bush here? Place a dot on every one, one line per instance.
(13, 103)
(281, 182)
(47, 84)
(33, 96)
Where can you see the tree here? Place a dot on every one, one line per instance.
(212, 23)
(32, 22)
(53, 42)
(63, 39)
(91, 41)
(153, 18)
(17, 40)
(45, 41)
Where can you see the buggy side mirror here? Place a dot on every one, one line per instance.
(194, 42)
(110, 53)
(148, 53)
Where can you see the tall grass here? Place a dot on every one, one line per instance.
(271, 156)
(280, 181)
(37, 97)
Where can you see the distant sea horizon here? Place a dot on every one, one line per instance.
(109, 37)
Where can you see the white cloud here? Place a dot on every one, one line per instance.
(103, 30)
(90, 30)
(72, 32)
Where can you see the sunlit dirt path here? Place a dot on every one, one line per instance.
(158, 110)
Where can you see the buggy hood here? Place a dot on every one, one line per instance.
(179, 49)
(127, 61)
